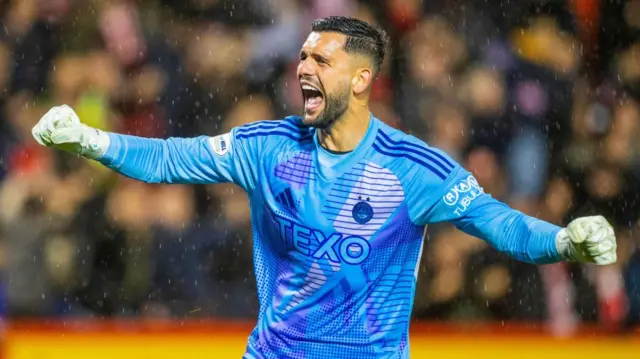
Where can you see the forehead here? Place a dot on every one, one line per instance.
(325, 42)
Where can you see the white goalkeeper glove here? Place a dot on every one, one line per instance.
(588, 240)
(61, 128)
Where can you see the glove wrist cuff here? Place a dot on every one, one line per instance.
(95, 143)
(564, 245)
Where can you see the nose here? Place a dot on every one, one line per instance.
(306, 68)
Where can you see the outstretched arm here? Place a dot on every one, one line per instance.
(528, 239)
(459, 199)
(509, 231)
(175, 160)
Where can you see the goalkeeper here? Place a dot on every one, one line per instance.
(339, 203)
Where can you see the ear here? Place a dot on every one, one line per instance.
(362, 80)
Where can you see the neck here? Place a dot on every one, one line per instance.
(347, 131)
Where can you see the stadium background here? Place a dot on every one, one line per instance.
(538, 98)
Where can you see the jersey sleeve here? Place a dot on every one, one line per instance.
(231, 157)
(459, 199)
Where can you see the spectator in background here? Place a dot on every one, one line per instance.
(541, 106)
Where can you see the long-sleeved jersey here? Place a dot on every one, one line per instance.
(337, 237)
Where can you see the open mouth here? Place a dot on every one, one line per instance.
(313, 98)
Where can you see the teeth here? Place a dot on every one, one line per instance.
(307, 87)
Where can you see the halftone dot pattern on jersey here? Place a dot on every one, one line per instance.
(268, 260)
(314, 303)
(305, 274)
(366, 182)
(297, 171)
(341, 322)
(271, 273)
(262, 258)
(379, 315)
(391, 277)
(317, 274)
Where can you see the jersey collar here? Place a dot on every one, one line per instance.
(336, 165)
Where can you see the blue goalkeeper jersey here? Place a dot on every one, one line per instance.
(337, 237)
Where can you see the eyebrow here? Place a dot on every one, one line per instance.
(315, 55)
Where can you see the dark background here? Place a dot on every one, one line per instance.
(539, 99)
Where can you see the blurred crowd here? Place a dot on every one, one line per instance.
(538, 98)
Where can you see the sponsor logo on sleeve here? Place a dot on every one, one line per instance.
(462, 194)
(221, 144)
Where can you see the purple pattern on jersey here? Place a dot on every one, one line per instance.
(296, 171)
(364, 306)
(366, 182)
(392, 278)
(337, 279)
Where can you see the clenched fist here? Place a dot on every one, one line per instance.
(589, 240)
(61, 128)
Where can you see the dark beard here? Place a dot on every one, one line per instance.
(335, 105)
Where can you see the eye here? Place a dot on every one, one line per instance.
(321, 61)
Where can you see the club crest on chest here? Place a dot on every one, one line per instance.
(362, 212)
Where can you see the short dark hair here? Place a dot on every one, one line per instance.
(362, 37)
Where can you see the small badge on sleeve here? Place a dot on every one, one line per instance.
(221, 144)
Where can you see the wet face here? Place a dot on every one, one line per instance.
(325, 74)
